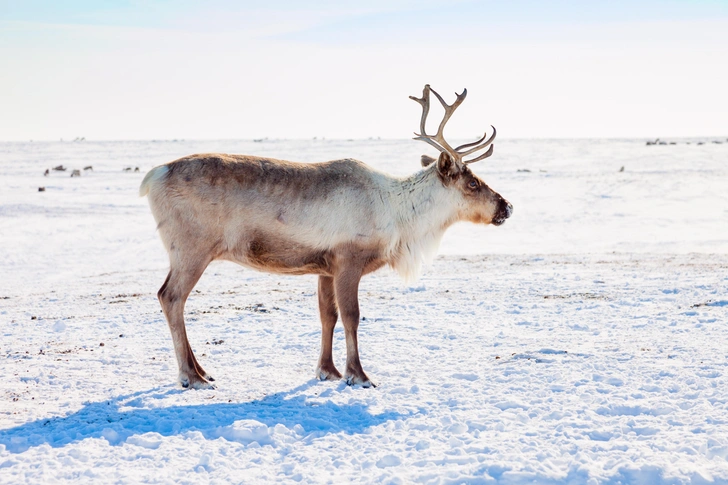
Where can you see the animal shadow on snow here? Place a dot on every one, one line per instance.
(120, 418)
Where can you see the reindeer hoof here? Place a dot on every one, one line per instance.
(362, 380)
(196, 382)
(328, 373)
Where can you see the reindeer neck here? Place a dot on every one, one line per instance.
(425, 209)
(425, 204)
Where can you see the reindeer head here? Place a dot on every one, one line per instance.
(481, 204)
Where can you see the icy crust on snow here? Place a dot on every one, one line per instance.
(507, 368)
(584, 344)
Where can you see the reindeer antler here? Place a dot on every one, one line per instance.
(438, 139)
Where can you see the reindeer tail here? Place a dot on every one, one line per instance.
(152, 178)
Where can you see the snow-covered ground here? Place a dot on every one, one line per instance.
(582, 342)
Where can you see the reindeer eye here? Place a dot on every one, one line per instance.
(473, 184)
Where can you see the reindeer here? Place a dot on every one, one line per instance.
(339, 220)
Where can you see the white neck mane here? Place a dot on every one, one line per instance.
(425, 209)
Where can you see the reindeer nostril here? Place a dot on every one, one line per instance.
(509, 210)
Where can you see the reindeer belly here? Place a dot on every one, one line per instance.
(274, 254)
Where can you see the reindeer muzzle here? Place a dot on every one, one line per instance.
(504, 212)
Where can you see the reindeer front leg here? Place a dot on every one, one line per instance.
(326, 370)
(346, 286)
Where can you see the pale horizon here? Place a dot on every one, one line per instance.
(81, 139)
(111, 71)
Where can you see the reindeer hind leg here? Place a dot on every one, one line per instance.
(326, 370)
(183, 276)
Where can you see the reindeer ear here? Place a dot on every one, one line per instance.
(447, 167)
(426, 160)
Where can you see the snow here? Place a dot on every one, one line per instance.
(581, 342)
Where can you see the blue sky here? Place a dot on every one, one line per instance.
(206, 69)
(182, 13)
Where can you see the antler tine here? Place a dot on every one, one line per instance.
(465, 145)
(425, 103)
(449, 109)
(472, 144)
(481, 157)
(477, 143)
(431, 142)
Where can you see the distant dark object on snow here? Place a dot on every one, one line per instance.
(701, 143)
(659, 142)
(76, 173)
(136, 169)
(523, 170)
(259, 140)
(41, 189)
(126, 169)
(89, 167)
(59, 168)
(717, 142)
(79, 138)
(45, 174)
(622, 169)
